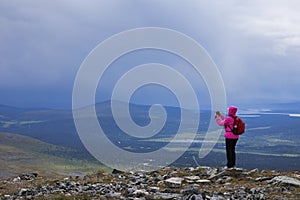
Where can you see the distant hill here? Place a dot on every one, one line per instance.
(9, 111)
(57, 126)
(51, 126)
(20, 154)
(293, 107)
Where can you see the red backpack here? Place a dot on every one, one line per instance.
(238, 126)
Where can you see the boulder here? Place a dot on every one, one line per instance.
(285, 180)
(174, 182)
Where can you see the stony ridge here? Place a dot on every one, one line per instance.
(169, 183)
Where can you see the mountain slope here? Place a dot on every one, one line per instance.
(21, 154)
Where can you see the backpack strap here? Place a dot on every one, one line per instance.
(233, 117)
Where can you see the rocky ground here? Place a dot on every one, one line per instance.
(169, 183)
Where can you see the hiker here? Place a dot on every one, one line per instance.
(230, 138)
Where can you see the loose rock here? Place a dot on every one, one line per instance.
(284, 180)
(174, 182)
(188, 184)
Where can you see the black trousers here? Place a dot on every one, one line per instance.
(230, 152)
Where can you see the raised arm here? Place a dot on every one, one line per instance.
(220, 120)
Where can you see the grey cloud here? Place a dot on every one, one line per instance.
(255, 44)
(42, 42)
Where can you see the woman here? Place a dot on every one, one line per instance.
(230, 138)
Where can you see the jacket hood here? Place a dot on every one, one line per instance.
(232, 111)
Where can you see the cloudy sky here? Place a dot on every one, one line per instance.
(255, 44)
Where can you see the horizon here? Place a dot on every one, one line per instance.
(244, 107)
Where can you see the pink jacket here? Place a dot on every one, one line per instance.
(228, 122)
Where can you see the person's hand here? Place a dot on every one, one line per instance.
(218, 114)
